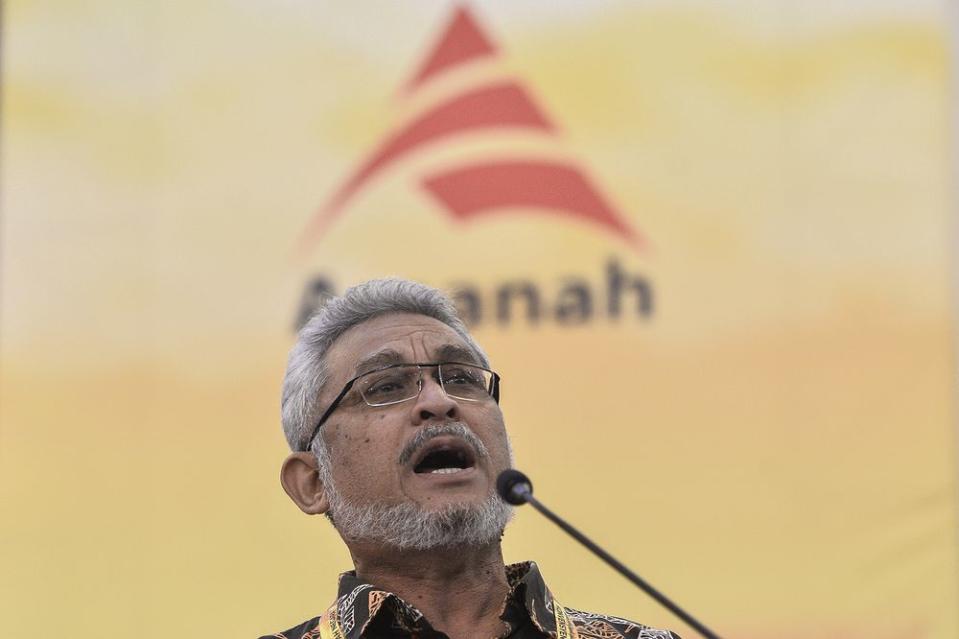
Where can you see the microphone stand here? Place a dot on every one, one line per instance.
(516, 488)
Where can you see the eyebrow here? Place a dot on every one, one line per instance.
(454, 353)
(385, 357)
(378, 360)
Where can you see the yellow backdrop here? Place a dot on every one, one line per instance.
(726, 224)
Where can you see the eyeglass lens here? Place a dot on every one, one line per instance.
(400, 383)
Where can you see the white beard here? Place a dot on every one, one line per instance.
(408, 526)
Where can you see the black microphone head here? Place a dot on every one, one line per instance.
(514, 487)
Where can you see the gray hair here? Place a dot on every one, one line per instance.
(306, 371)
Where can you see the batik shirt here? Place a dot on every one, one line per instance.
(362, 611)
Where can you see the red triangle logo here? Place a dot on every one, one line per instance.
(462, 42)
(492, 186)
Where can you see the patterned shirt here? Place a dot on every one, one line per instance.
(362, 611)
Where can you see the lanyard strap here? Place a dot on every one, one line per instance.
(329, 625)
(564, 627)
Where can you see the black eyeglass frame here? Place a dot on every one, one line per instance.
(493, 390)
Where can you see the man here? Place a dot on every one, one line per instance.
(392, 412)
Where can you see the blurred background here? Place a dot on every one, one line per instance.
(728, 227)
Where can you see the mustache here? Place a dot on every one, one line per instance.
(457, 429)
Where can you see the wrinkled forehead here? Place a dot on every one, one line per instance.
(396, 338)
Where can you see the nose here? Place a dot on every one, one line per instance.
(433, 403)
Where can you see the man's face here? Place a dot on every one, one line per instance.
(366, 443)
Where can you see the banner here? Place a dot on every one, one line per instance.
(727, 229)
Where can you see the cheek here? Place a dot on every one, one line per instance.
(495, 436)
(362, 455)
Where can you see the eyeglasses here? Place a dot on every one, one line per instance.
(398, 383)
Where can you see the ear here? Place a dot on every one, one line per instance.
(301, 481)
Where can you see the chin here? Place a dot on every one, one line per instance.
(411, 526)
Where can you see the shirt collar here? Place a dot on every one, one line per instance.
(359, 603)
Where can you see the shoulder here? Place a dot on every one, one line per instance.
(305, 630)
(591, 624)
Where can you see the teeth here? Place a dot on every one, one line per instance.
(445, 471)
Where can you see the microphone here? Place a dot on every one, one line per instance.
(516, 488)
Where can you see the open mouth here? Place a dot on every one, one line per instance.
(444, 458)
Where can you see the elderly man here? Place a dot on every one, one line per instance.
(392, 412)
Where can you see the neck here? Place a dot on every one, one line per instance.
(460, 590)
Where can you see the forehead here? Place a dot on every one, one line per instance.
(412, 337)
